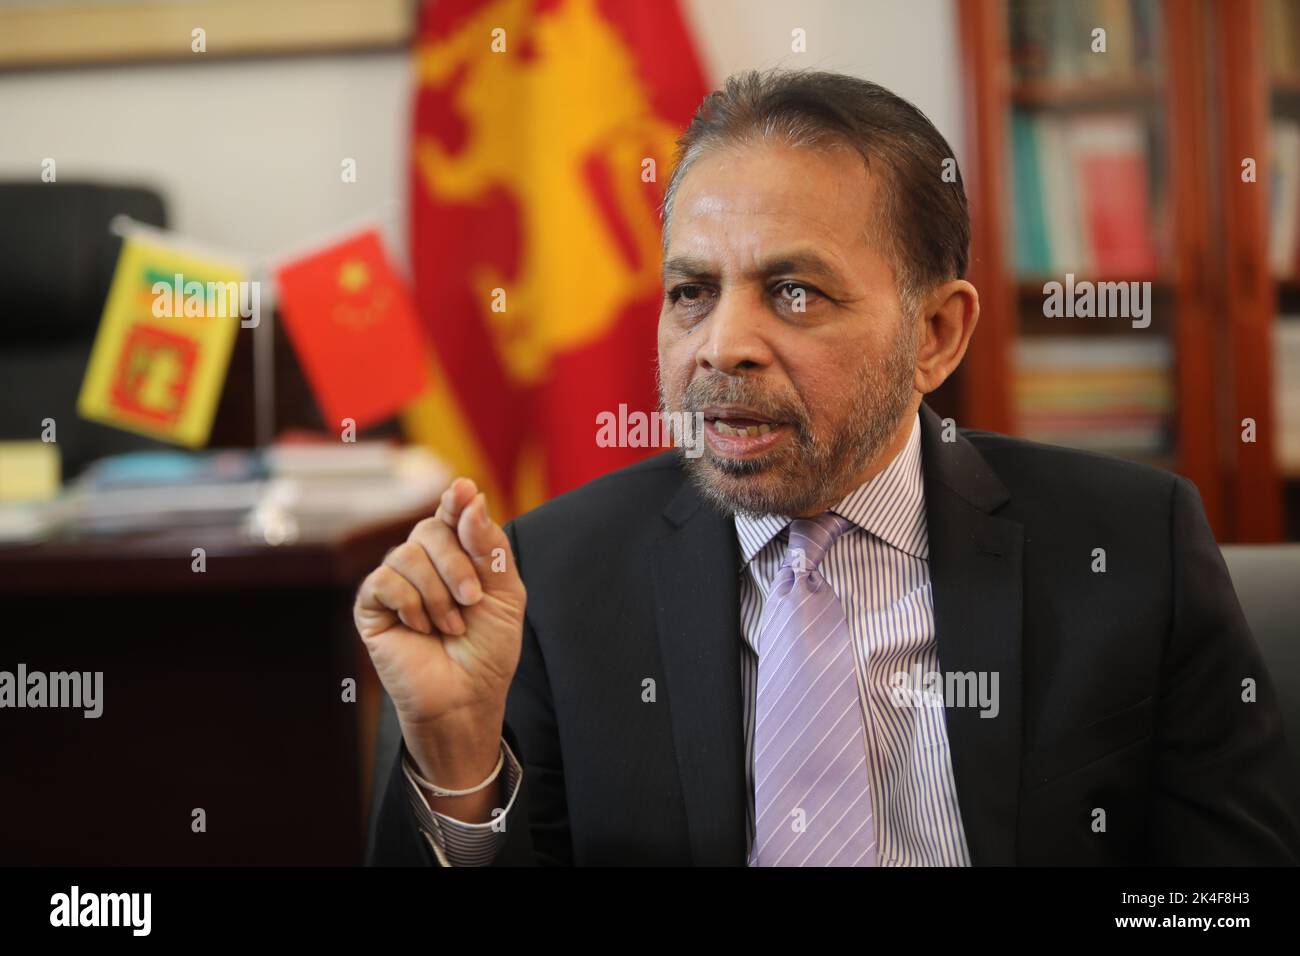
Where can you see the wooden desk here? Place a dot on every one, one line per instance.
(222, 690)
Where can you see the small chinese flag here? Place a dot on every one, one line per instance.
(354, 328)
(164, 342)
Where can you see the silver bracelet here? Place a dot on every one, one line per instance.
(438, 791)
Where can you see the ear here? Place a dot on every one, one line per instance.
(948, 320)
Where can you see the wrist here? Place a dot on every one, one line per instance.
(455, 752)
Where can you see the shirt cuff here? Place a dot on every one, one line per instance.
(455, 842)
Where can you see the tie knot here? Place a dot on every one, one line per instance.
(811, 538)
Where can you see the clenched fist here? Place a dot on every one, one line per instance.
(443, 620)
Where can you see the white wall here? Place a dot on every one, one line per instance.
(909, 46)
(247, 152)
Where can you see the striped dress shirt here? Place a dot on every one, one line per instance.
(880, 571)
(455, 842)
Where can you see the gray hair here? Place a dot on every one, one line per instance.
(921, 223)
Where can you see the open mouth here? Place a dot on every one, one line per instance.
(741, 426)
(736, 432)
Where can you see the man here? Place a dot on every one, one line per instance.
(847, 633)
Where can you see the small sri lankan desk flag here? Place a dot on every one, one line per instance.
(353, 325)
(543, 136)
(160, 356)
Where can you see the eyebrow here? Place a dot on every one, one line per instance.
(806, 263)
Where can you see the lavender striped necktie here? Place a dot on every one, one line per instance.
(812, 797)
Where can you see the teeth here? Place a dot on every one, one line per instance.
(753, 431)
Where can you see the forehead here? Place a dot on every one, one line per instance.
(743, 199)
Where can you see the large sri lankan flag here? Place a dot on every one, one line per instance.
(533, 123)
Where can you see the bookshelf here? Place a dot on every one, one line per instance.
(1277, 31)
(1120, 169)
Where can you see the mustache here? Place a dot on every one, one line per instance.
(703, 392)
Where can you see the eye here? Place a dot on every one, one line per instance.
(690, 295)
(791, 292)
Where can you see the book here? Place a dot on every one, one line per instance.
(1111, 394)
(1110, 162)
(1060, 197)
(1286, 392)
(1281, 22)
(1052, 40)
(1284, 196)
(1033, 252)
(1082, 196)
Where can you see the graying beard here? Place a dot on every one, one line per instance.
(893, 391)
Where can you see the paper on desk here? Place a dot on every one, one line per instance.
(29, 470)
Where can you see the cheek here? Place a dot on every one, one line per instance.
(826, 380)
(675, 358)
(664, 340)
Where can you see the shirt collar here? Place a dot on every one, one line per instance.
(891, 506)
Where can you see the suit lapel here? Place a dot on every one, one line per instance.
(697, 606)
(975, 571)
(975, 574)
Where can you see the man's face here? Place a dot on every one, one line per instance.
(797, 404)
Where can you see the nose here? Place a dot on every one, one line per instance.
(732, 341)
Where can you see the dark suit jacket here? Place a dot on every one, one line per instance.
(1119, 690)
